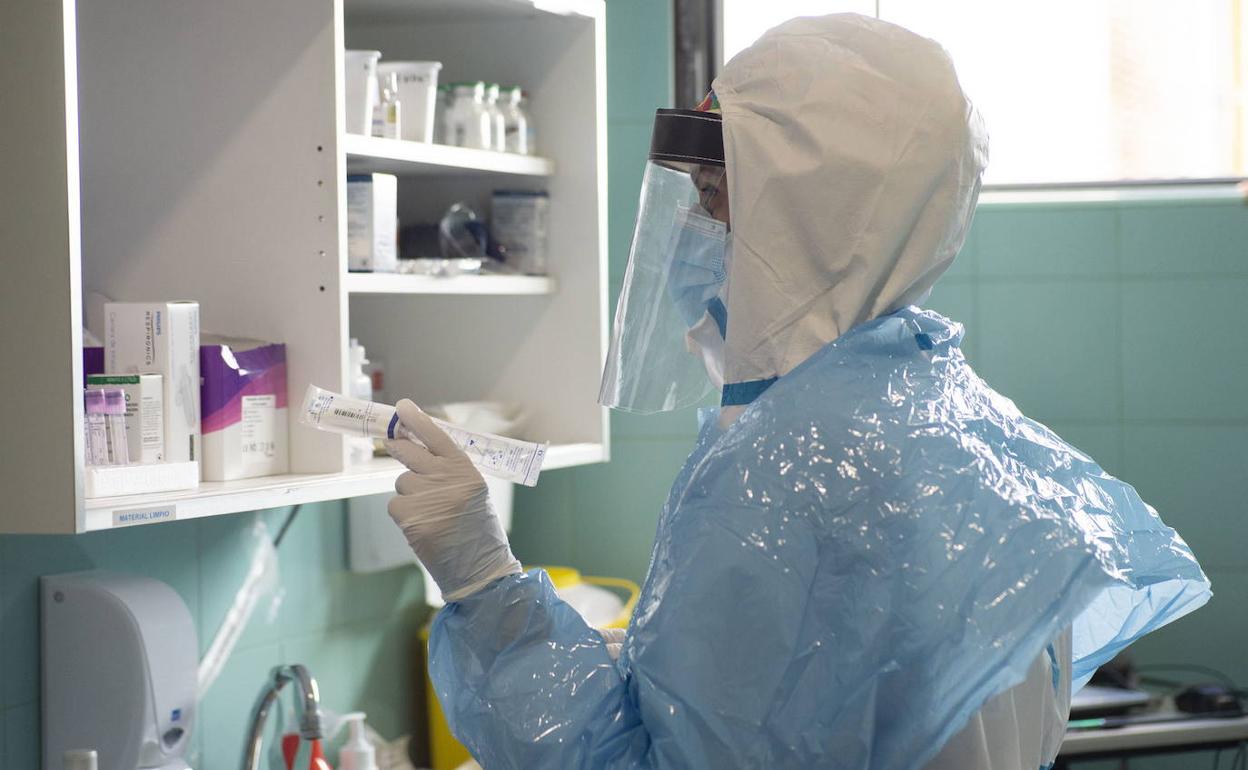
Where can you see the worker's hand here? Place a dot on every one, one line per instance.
(443, 508)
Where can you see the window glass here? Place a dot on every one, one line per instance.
(1078, 91)
(744, 20)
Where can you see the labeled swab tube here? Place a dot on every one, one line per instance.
(115, 412)
(505, 458)
(95, 425)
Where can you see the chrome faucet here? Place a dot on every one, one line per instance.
(308, 709)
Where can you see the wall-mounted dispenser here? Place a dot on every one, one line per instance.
(119, 671)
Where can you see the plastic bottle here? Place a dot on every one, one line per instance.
(498, 121)
(357, 753)
(440, 106)
(361, 383)
(531, 130)
(376, 370)
(361, 386)
(515, 122)
(388, 112)
(467, 120)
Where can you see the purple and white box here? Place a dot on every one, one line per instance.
(244, 408)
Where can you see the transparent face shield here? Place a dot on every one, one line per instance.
(676, 270)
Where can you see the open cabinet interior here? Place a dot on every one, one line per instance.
(540, 351)
(196, 151)
(209, 173)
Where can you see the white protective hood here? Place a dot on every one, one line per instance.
(854, 162)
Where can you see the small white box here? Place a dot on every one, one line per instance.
(145, 418)
(372, 221)
(160, 338)
(118, 480)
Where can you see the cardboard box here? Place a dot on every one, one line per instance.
(145, 414)
(160, 338)
(244, 408)
(372, 212)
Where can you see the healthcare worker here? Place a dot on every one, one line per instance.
(871, 559)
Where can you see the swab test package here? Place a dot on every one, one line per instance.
(160, 338)
(498, 456)
(244, 408)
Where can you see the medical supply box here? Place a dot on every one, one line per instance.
(244, 408)
(145, 418)
(160, 338)
(372, 223)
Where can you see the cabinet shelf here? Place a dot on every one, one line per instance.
(362, 284)
(216, 498)
(371, 154)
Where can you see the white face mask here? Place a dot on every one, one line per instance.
(705, 342)
(705, 339)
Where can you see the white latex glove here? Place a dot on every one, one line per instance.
(443, 508)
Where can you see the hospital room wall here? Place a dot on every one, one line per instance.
(1118, 325)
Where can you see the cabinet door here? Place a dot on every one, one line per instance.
(40, 325)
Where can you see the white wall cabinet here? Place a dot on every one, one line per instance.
(177, 149)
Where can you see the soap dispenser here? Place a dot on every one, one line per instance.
(357, 753)
(120, 660)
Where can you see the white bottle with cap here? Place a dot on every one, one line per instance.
(80, 759)
(357, 753)
(360, 448)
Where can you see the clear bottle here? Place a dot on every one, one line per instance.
(388, 112)
(515, 122)
(498, 121)
(531, 130)
(467, 120)
(440, 105)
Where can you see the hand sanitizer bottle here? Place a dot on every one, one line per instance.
(357, 753)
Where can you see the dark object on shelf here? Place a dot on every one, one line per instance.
(419, 241)
(1211, 699)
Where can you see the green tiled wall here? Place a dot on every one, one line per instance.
(356, 633)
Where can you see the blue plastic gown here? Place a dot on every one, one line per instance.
(840, 579)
